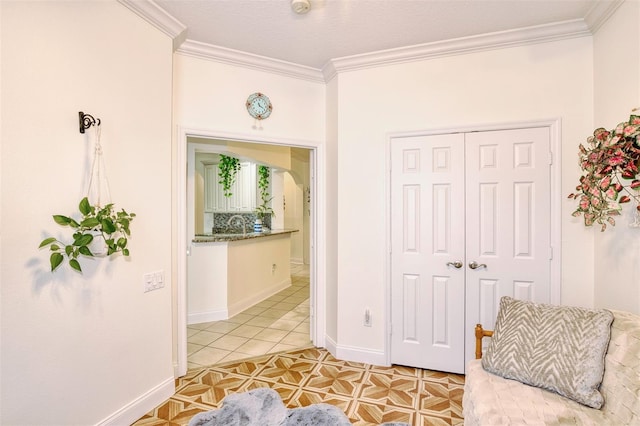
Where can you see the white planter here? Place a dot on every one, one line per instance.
(98, 246)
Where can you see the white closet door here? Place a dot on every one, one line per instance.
(507, 220)
(427, 240)
(480, 201)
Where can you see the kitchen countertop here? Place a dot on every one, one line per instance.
(215, 238)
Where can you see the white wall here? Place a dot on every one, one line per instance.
(207, 269)
(331, 188)
(617, 91)
(293, 215)
(542, 81)
(257, 269)
(300, 168)
(80, 349)
(210, 97)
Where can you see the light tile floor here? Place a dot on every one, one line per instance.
(279, 323)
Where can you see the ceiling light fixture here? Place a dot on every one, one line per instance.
(300, 6)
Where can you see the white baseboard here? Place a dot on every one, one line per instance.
(141, 405)
(216, 315)
(331, 346)
(248, 302)
(367, 356)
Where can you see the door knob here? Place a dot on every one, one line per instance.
(474, 265)
(457, 264)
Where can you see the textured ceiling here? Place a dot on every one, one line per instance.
(339, 28)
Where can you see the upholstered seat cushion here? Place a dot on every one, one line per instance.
(490, 400)
(493, 400)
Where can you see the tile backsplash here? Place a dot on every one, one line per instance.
(219, 222)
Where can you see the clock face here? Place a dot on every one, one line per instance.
(259, 106)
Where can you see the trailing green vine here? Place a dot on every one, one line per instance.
(264, 176)
(96, 221)
(263, 182)
(227, 170)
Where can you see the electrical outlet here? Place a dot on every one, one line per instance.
(367, 317)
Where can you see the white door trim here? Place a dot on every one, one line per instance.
(317, 231)
(554, 126)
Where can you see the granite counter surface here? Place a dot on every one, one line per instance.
(217, 238)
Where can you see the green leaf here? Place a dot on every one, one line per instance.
(73, 223)
(85, 251)
(46, 241)
(83, 240)
(55, 260)
(68, 250)
(108, 226)
(85, 207)
(61, 220)
(90, 222)
(55, 247)
(122, 242)
(125, 252)
(75, 265)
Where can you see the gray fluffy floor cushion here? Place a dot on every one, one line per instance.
(263, 407)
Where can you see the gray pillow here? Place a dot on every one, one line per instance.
(558, 348)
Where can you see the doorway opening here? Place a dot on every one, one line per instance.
(294, 194)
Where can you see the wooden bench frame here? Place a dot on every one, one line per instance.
(480, 333)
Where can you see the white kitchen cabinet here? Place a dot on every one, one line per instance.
(210, 187)
(244, 189)
(243, 198)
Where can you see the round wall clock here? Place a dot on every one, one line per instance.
(259, 106)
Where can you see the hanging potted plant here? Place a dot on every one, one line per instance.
(610, 167)
(98, 228)
(227, 170)
(263, 209)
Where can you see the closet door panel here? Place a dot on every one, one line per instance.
(507, 220)
(427, 239)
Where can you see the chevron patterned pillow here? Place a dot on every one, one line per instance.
(558, 348)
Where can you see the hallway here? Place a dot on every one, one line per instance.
(278, 323)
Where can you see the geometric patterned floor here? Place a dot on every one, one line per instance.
(368, 395)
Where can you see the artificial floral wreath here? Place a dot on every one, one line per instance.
(610, 168)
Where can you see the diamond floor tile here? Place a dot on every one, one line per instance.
(367, 394)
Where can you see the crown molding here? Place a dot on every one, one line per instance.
(600, 12)
(154, 14)
(490, 41)
(159, 18)
(249, 60)
(458, 46)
